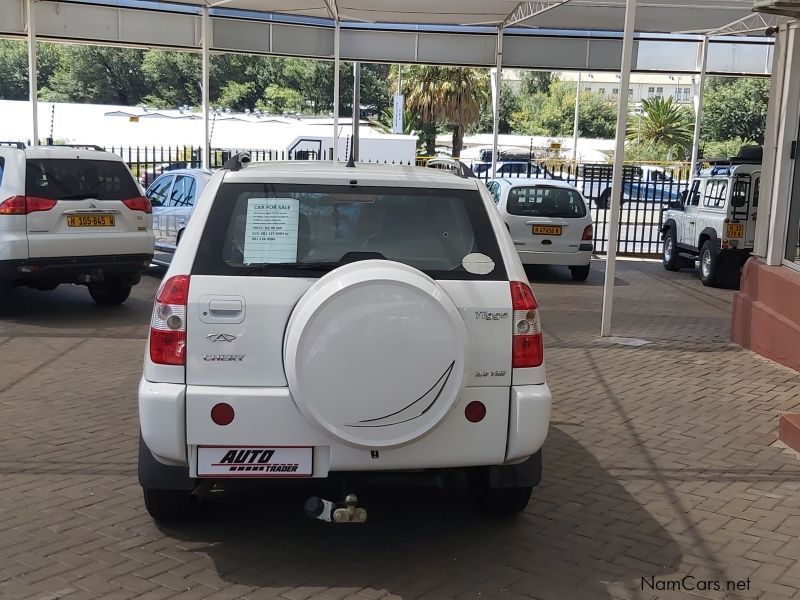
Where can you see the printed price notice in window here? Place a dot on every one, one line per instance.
(271, 232)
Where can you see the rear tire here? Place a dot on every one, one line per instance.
(170, 505)
(709, 265)
(669, 257)
(604, 201)
(109, 294)
(580, 273)
(496, 500)
(47, 287)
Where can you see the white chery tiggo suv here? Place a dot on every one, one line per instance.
(319, 319)
(72, 214)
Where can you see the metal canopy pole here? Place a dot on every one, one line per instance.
(33, 92)
(699, 96)
(205, 28)
(336, 67)
(497, 81)
(356, 107)
(577, 119)
(619, 157)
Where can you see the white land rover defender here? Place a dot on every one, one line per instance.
(321, 319)
(715, 222)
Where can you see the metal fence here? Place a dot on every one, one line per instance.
(647, 189)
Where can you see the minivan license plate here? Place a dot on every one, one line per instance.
(547, 230)
(90, 220)
(254, 461)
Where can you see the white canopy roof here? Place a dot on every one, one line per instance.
(658, 16)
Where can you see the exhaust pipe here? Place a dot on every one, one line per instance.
(325, 510)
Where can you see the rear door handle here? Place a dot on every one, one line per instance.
(225, 306)
(222, 309)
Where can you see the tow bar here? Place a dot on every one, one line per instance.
(325, 510)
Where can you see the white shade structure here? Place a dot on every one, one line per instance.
(583, 35)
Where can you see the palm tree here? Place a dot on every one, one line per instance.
(465, 91)
(662, 122)
(423, 97)
(445, 94)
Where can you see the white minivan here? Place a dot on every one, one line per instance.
(549, 222)
(319, 320)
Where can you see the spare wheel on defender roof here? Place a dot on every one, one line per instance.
(375, 354)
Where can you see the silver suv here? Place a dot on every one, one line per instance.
(72, 214)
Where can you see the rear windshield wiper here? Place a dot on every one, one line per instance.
(268, 268)
(81, 196)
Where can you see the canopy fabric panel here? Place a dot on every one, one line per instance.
(656, 16)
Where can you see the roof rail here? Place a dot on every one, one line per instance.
(237, 161)
(84, 146)
(18, 145)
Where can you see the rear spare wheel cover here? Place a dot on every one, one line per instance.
(375, 354)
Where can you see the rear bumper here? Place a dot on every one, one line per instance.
(567, 259)
(175, 420)
(126, 268)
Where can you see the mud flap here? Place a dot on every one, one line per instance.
(524, 474)
(155, 476)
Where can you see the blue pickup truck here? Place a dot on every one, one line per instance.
(639, 184)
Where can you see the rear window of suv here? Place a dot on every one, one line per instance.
(74, 179)
(294, 230)
(545, 201)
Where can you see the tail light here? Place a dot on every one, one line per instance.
(24, 205)
(587, 234)
(139, 203)
(168, 326)
(528, 349)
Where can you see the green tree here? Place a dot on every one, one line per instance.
(14, 68)
(99, 74)
(554, 114)
(725, 148)
(647, 151)
(509, 104)
(278, 100)
(537, 82)
(664, 123)
(735, 107)
(173, 78)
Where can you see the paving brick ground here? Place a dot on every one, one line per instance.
(660, 464)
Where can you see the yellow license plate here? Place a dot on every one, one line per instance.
(734, 230)
(547, 230)
(90, 220)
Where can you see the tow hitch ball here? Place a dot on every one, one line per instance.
(325, 510)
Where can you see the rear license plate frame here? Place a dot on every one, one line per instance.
(555, 230)
(91, 220)
(273, 462)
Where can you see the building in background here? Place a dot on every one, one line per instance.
(643, 85)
